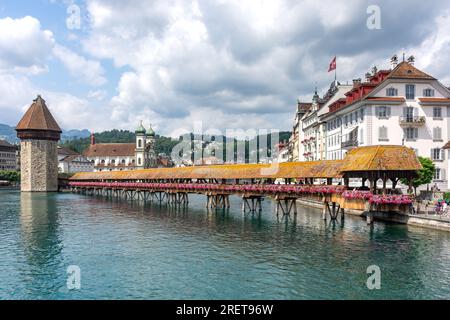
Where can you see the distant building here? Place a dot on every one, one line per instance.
(39, 135)
(124, 156)
(70, 161)
(282, 152)
(7, 156)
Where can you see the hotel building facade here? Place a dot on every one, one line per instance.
(398, 106)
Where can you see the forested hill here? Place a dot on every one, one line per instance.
(163, 144)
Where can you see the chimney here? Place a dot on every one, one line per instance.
(356, 82)
(394, 61)
(92, 139)
(368, 76)
(411, 60)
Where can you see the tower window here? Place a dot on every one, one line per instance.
(139, 143)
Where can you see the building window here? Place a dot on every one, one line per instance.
(345, 120)
(383, 112)
(139, 143)
(437, 113)
(437, 174)
(437, 154)
(428, 93)
(383, 134)
(123, 161)
(437, 134)
(410, 91)
(411, 133)
(361, 114)
(391, 92)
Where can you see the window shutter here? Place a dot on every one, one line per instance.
(388, 112)
(442, 154)
(377, 112)
(443, 176)
(415, 112)
(404, 111)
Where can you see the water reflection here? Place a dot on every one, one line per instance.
(41, 242)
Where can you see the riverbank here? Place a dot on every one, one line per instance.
(420, 220)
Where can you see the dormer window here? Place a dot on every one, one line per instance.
(428, 92)
(391, 92)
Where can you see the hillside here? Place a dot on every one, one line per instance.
(9, 134)
(163, 144)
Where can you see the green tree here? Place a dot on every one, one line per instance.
(10, 175)
(425, 175)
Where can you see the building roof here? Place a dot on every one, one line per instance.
(71, 158)
(396, 158)
(381, 157)
(407, 70)
(4, 143)
(447, 145)
(110, 150)
(66, 151)
(38, 117)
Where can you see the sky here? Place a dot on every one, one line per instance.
(234, 64)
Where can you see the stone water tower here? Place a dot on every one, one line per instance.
(39, 135)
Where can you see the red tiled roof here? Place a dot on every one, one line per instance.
(447, 145)
(38, 117)
(406, 70)
(110, 150)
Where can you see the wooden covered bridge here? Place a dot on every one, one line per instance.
(327, 181)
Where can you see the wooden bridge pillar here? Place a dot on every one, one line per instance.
(251, 203)
(286, 205)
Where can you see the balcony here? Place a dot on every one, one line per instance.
(349, 144)
(414, 121)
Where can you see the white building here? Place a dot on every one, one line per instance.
(124, 156)
(70, 161)
(312, 129)
(400, 106)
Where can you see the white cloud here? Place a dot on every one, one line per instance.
(88, 71)
(24, 46)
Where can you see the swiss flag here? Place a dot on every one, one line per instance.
(332, 65)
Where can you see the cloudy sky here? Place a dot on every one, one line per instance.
(230, 64)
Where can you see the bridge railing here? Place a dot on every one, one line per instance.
(210, 187)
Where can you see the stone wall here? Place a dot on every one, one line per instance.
(39, 165)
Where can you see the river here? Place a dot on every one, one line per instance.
(131, 250)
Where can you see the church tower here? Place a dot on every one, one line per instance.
(140, 147)
(39, 135)
(151, 154)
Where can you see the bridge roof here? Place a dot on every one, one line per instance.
(313, 169)
(381, 158)
(367, 159)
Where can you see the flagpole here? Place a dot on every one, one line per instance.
(335, 69)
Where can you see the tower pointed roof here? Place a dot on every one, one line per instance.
(140, 129)
(38, 117)
(150, 131)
